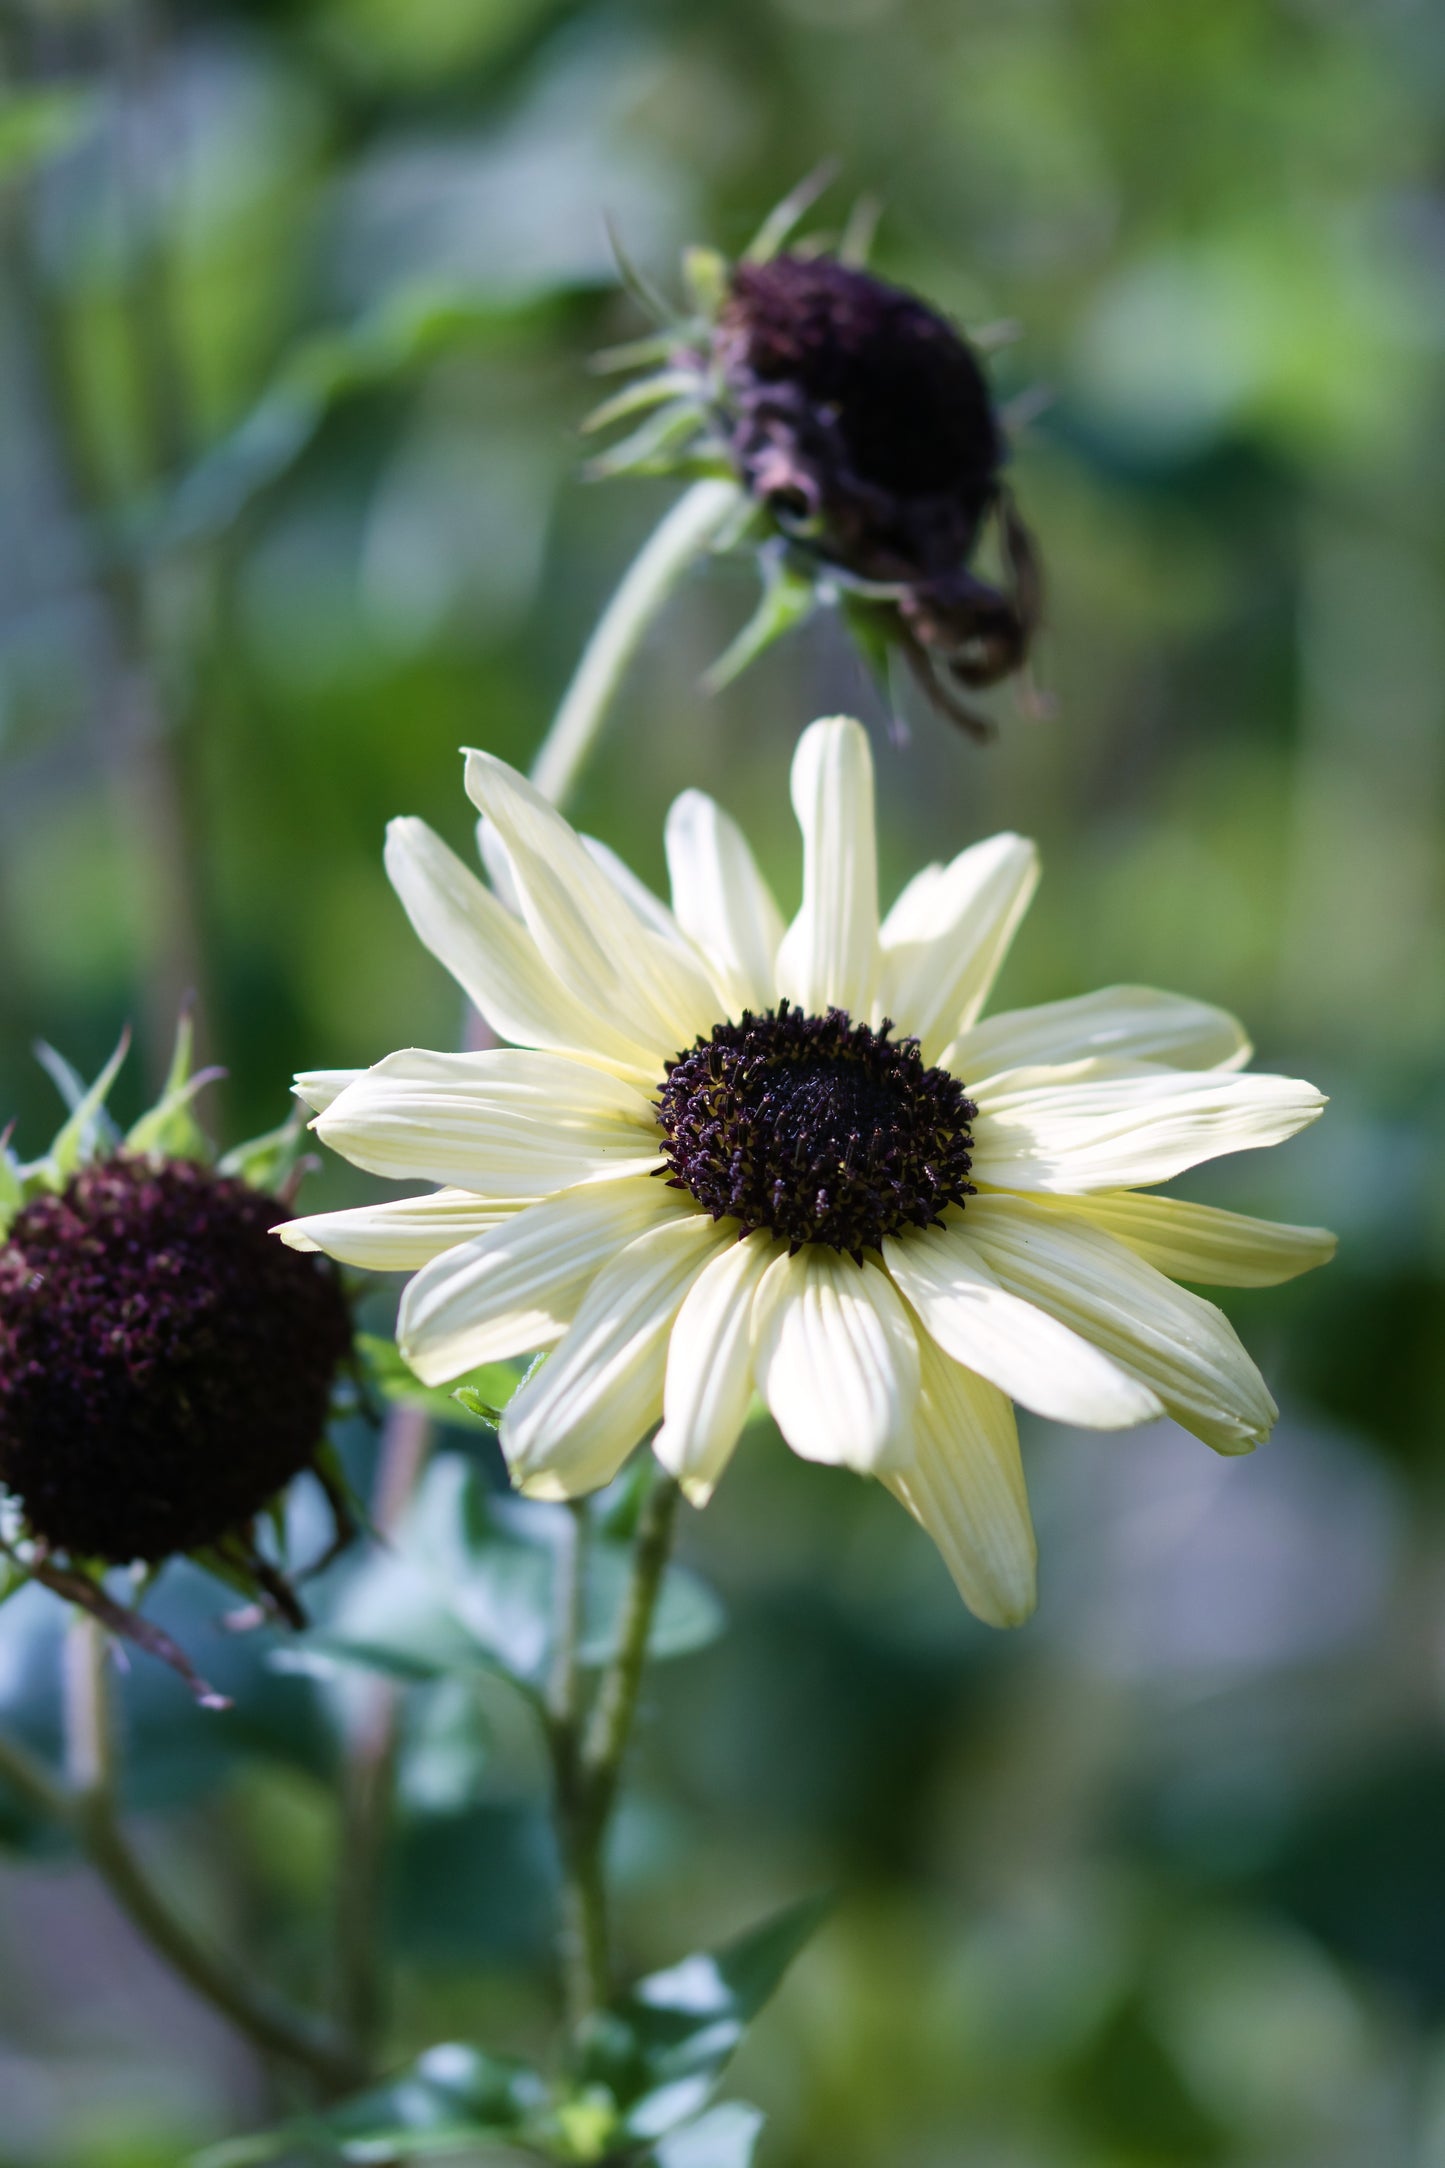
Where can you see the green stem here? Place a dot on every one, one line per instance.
(582, 1935)
(662, 562)
(616, 1705)
(88, 1807)
(587, 1754)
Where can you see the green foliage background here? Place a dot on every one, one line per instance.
(295, 305)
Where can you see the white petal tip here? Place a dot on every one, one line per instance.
(294, 1237)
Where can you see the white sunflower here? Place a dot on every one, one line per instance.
(720, 1157)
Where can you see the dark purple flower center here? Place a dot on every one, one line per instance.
(165, 1362)
(816, 1128)
(909, 399)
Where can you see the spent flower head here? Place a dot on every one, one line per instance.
(861, 427)
(724, 1156)
(166, 1368)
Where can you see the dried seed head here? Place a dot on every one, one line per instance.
(165, 1363)
(860, 417)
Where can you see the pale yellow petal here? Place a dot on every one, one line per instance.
(829, 955)
(1128, 1023)
(1180, 1345)
(495, 960)
(570, 1428)
(403, 1233)
(836, 1359)
(710, 1367)
(518, 1286)
(722, 900)
(657, 993)
(1125, 1131)
(1198, 1242)
(1015, 1344)
(946, 936)
(505, 1123)
(965, 1486)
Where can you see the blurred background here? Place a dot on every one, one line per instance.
(296, 300)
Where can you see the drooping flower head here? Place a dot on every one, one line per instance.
(721, 1156)
(165, 1367)
(860, 424)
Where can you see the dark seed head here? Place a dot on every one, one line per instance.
(819, 1129)
(859, 415)
(165, 1362)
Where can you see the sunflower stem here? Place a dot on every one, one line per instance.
(88, 1806)
(582, 1927)
(589, 1748)
(655, 572)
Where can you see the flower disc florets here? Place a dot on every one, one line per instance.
(816, 1128)
(858, 413)
(165, 1364)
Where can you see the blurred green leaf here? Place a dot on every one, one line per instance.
(445, 1749)
(39, 124)
(469, 1585)
(452, 2099)
(725, 2137)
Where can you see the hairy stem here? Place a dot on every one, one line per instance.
(662, 562)
(88, 1806)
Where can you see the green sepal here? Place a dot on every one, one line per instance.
(632, 354)
(169, 1129)
(452, 2099)
(637, 398)
(706, 273)
(655, 448)
(789, 597)
(269, 1161)
(89, 1129)
(786, 216)
(12, 1187)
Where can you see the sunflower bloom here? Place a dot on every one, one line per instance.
(723, 1157)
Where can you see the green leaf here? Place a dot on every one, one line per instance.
(484, 1392)
(469, 1585)
(663, 2049)
(445, 1749)
(726, 2137)
(36, 125)
(452, 2099)
(788, 598)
